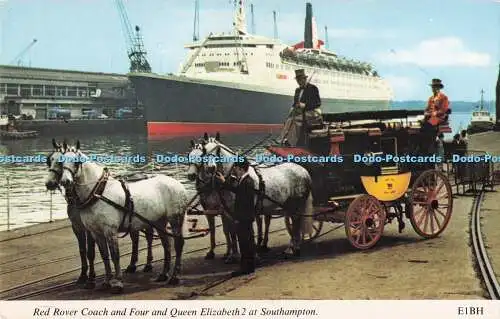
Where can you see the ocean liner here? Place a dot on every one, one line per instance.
(244, 83)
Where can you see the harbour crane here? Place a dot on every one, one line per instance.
(136, 52)
(19, 57)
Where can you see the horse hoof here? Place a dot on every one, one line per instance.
(148, 268)
(81, 280)
(174, 281)
(231, 260)
(130, 269)
(210, 255)
(89, 285)
(116, 289)
(161, 277)
(291, 253)
(104, 286)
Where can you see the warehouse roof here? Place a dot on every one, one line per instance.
(8, 71)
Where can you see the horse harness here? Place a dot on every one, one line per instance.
(206, 186)
(97, 194)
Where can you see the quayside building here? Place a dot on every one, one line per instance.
(35, 92)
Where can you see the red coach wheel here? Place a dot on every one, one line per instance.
(364, 221)
(431, 204)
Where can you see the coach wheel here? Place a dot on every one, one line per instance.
(316, 229)
(364, 221)
(431, 204)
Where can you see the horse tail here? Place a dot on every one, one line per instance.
(307, 220)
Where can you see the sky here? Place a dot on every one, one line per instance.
(408, 41)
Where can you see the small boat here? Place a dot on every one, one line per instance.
(481, 120)
(17, 135)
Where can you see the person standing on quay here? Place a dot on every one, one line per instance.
(243, 216)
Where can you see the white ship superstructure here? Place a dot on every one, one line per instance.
(259, 63)
(241, 82)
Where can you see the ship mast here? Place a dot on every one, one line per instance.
(240, 28)
(253, 19)
(240, 24)
(275, 25)
(327, 45)
(481, 103)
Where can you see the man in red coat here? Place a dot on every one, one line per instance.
(436, 113)
(437, 105)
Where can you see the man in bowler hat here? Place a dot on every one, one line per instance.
(243, 215)
(305, 110)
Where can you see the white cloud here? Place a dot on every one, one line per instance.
(404, 87)
(448, 51)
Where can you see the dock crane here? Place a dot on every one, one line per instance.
(18, 58)
(136, 52)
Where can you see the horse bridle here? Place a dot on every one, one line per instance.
(208, 184)
(59, 173)
(71, 196)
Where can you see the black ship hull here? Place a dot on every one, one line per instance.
(177, 106)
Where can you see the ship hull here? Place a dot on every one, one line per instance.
(176, 107)
(480, 126)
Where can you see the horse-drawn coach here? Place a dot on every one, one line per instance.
(384, 174)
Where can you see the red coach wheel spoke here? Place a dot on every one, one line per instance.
(431, 211)
(364, 221)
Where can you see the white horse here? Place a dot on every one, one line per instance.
(215, 199)
(86, 243)
(110, 206)
(285, 186)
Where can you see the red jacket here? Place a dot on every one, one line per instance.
(437, 103)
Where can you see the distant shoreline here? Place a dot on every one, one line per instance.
(457, 106)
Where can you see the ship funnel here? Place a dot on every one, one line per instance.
(308, 27)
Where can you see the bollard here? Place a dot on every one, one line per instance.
(8, 203)
(50, 220)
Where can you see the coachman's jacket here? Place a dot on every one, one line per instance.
(244, 206)
(310, 97)
(439, 103)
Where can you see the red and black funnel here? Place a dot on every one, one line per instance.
(308, 31)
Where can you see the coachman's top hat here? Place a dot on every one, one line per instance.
(300, 73)
(437, 83)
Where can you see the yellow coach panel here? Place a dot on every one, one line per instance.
(387, 187)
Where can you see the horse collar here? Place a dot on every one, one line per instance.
(94, 194)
